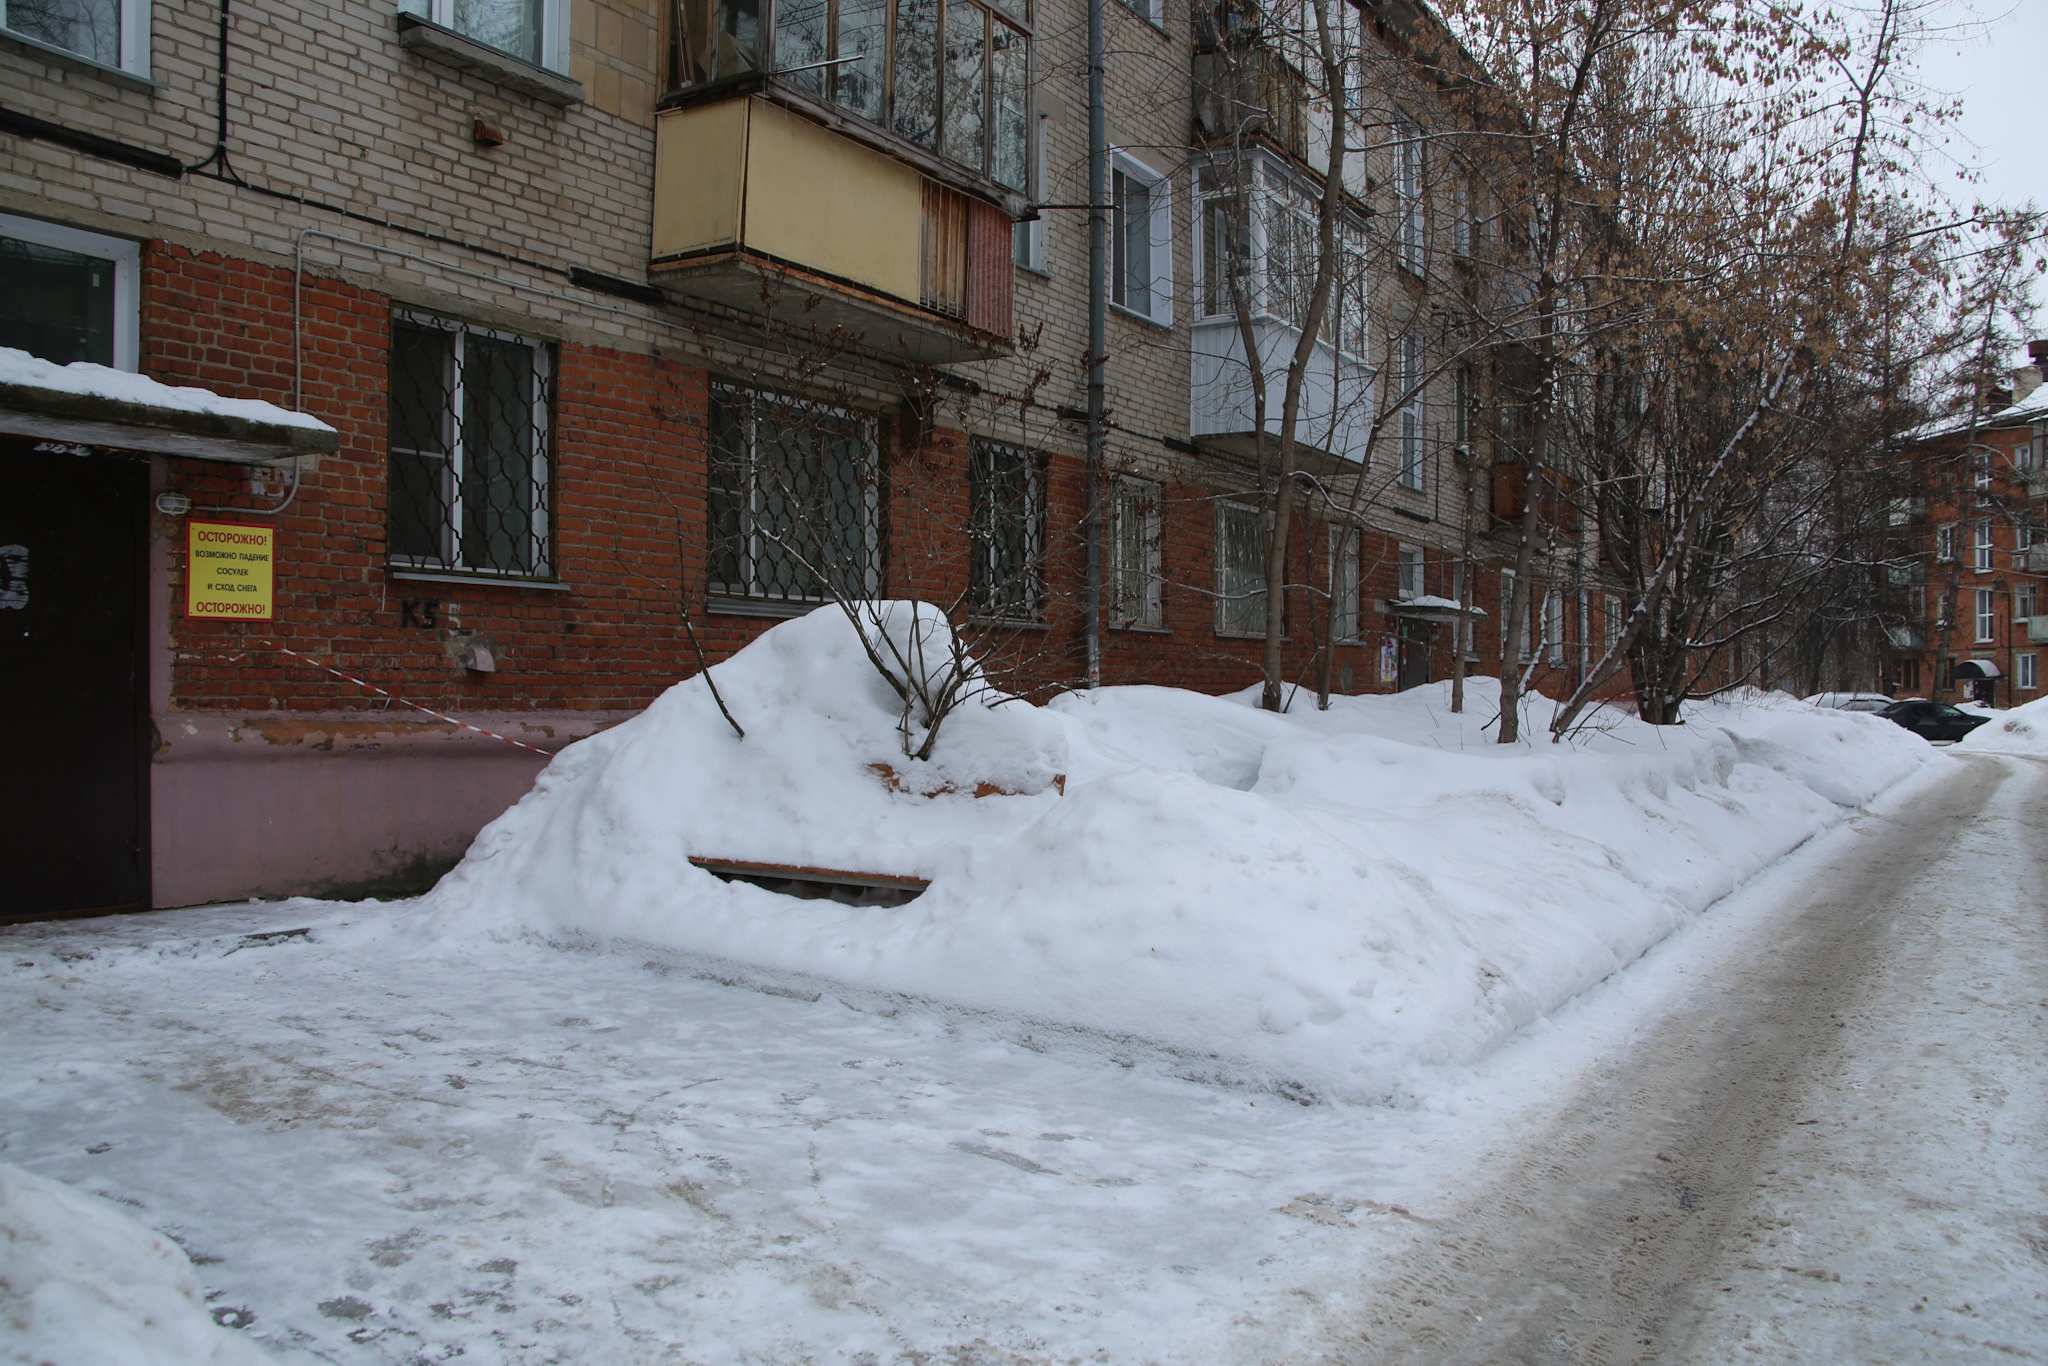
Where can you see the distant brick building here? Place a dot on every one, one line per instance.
(551, 271)
(1971, 582)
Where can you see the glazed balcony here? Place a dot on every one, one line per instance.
(800, 176)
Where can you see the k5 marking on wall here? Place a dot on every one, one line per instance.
(229, 570)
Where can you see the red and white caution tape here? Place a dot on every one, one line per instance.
(438, 716)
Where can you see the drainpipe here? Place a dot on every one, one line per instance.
(1098, 331)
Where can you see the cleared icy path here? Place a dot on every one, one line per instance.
(1833, 1149)
(524, 1154)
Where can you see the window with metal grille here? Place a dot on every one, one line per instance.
(1344, 582)
(471, 421)
(1240, 570)
(1006, 531)
(1134, 554)
(795, 498)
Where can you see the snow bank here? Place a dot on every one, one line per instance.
(2023, 730)
(1322, 899)
(98, 381)
(82, 1284)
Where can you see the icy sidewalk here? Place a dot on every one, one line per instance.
(511, 1152)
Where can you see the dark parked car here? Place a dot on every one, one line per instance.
(1933, 720)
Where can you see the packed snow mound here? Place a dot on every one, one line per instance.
(1322, 899)
(2023, 730)
(82, 1284)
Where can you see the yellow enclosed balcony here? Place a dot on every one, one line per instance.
(761, 208)
(848, 166)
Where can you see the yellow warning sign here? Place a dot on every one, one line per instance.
(228, 570)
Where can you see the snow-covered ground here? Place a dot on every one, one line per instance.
(587, 1103)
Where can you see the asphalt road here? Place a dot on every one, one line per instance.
(1832, 1150)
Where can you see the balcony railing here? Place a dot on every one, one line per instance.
(2037, 630)
(2034, 559)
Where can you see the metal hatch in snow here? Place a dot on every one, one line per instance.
(847, 887)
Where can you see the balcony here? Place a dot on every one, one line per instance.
(2033, 560)
(2037, 630)
(1905, 511)
(2037, 483)
(768, 212)
(1336, 397)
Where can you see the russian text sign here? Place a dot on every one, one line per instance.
(229, 571)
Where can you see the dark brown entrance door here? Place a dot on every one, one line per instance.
(73, 531)
(1414, 637)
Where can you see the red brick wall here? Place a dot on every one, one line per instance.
(630, 489)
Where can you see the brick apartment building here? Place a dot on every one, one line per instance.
(1970, 584)
(552, 270)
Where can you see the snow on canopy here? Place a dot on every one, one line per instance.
(121, 386)
(1318, 899)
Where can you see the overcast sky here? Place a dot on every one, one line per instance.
(2000, 72)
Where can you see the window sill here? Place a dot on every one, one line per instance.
(781, 609)
(1146, 318)
(1222, 634)
(1137, 628)
(1007, 624)
(64, 57)
(1040, 271)
(479, 580)
(514, 73)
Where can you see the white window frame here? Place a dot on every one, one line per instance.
(1411, 572)
(126, 257)
(2025, 674)
(554, 28)
(1411, 435)
(1610, 607)
(1159, 240)
(2023, 456)
(1344, 596)
(1226, 596)
(1944, 543)
(1553, 625)
(1028, 249)
(1980, 469)
(2026, 601)
(1981, 558)
(1410, 226)
(134, 41)
(1987, 616)
(1152, 12)
(1140, 497)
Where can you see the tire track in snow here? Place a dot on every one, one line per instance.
(1597, 1246)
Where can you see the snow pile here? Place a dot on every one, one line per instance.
(2023, 730)
(82, 1284)
(1323, 898)
(120, 386)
